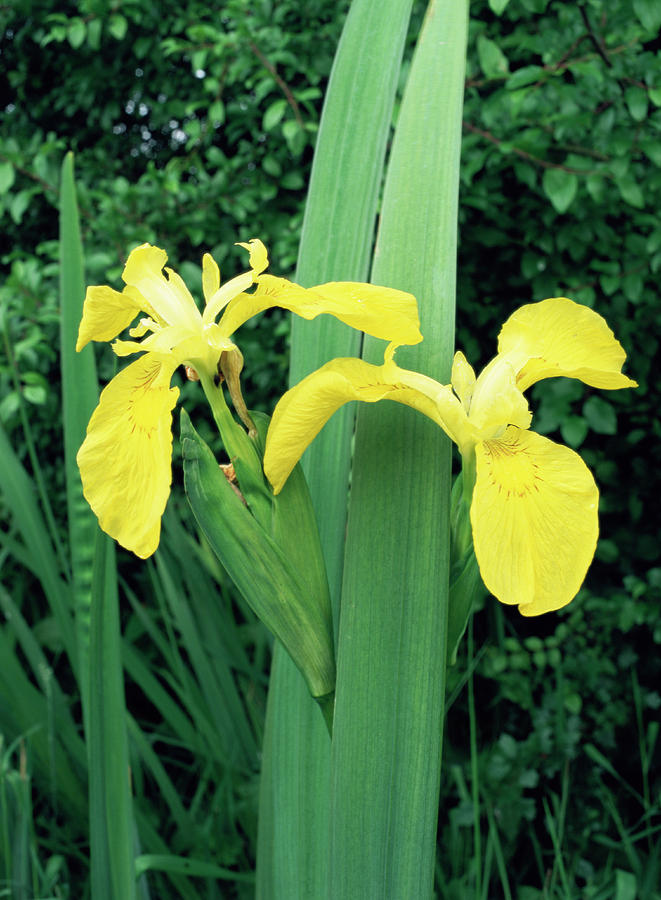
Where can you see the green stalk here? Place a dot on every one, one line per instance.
(393, 629)
(336, 244)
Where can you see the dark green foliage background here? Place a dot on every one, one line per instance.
(193, 127)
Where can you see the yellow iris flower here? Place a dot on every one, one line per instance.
(534, 503)
(125, 460)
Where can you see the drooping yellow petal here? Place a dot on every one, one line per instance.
(303, 411)
(497, 401)
(382, 312)
(560, 337)
(463, 379)
(125, 460)
(210, 276)
(169, 297)
(106, 313)
(534, 520)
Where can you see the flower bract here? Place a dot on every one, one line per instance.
(533, 506)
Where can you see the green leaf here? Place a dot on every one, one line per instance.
(625, 885)
(596, 186)
(649, 14)
(636, 100)
(117, 27)
(523, 77)
(391, 671)
(79, 397)
(574, 431)
(497, 6)
(336, 243)
(560, 187)
(111, 819)
(630, 191)
(77, 33)
(18, 204)
(633, 285)
(274, 114)
(600, 415)
(7, 175)
(493, 61)
(652, 149)
(217, 112)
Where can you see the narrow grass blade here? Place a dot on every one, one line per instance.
(336, 244)
(79, 397)
(393, 628)
(19, 493)
(111, 822)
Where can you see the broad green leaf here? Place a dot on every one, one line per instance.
(560, 187)
(574, 430)
(636, 100)
(600, 415)
(626, 887)
(274, 114)
(630, 191)
(525, 76)
(498, 6)
(117, 26)
(493, 61)
(77, 33)
(7, 176)
(652, 149)
(336, 243)
(393, 627)
(649, 14)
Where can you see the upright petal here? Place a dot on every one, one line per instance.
(303, 411)
(560, 337)
(463, 379)
(258, 258)
(382, 312)
(106, 313)
(125, 460)
(534, 520)
(169, 297)
(210, 276)
(497, 401)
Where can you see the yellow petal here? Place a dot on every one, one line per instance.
(105, 314)
(382, 312)
(259, 259)
(303, 411)
(210, 276)
(169, 297)
(560, 337)
(125, 460)
(497, 401)
(534, 520)
(225, 294)
(463, 379)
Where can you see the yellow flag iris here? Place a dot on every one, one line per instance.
(534, 503)
(125, 460)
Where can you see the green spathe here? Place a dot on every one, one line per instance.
(294, 605)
